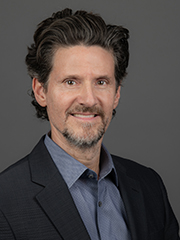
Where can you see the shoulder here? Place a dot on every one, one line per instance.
(128, 165)
(15, 170)
(139, 172)
(143, 179)
(14, 182)
(14, 174)
(21, 167)
(17, 178)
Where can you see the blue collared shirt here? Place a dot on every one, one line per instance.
(97, 200)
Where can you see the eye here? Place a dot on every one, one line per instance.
(70, 82)
(101, 82)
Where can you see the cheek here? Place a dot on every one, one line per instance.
(53, 104)
(58, 103)
(108, 105)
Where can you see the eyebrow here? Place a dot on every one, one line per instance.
(72, 76)
(99, 77)
(104, 77)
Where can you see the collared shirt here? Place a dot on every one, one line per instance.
(97, 200)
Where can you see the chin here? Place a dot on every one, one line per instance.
(83, 141)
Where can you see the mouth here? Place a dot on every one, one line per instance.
(86, 114)
(83, 115)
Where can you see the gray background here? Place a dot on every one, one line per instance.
(147, 125)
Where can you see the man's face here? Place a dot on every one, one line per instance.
(80, 96)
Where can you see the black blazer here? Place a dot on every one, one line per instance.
(35, 203)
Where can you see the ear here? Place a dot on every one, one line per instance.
(117, 97)
(39, 92)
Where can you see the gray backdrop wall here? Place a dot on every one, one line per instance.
(147, 125)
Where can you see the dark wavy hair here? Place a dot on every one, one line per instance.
(64, 29)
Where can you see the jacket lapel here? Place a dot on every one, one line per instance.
(132, 196)
(55, 198)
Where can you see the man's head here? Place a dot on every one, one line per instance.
(65, 29)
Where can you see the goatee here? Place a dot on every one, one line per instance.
(89, 138)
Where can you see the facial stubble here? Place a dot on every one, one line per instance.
(89, 138)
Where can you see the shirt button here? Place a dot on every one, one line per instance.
(91, 176)
(99, 203)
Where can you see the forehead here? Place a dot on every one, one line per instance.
(87, 59)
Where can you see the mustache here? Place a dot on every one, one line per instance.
(83, 109)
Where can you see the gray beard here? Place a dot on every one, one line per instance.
(85, 142)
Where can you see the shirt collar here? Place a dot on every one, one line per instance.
(72, 170)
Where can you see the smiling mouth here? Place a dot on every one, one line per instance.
(78, 115)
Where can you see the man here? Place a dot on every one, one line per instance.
(70, 187)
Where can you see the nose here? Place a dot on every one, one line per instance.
(87, 95)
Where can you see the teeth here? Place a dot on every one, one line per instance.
(84, 116)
